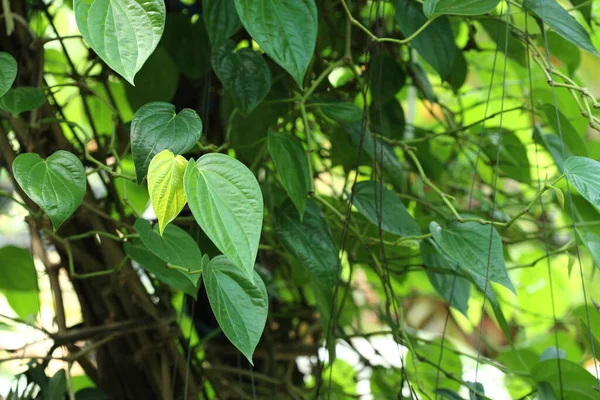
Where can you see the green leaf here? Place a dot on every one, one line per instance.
(227, 203)
(561, 22)
(57, 386)
(8, 72)
(339, 111)
(221, 19)
(448, 394)
(290, 161)
(545, 391)
(244, 73)
(566, 52)
(453, 7)
(240, 303)
(17, 269)
(22, 99)
(156, 266)
(435, 43)
(428, 375)
(156, 127)
(577, 383)
(309, 241)
(165, 185)
(513, 160)
(553, 145)
(560, 196)
(583, 173)
(585, 8)
(386, 79)
(57, 184)
(468, 245)
(510, 46)
(570, 137)
(592, 242)
(122, 32)
(380, 205)
(274, 25)
(25, 303)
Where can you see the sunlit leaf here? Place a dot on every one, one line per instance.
(8, 72)
(17, 269)
(21, 99)
(583, 173)
(464, 7)
(569, 381)
(565, 130)
(592, 242)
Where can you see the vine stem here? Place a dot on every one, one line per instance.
(534, 200)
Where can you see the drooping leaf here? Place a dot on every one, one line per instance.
(8, 72)
(585, 7)
(592, 242)
(513, 160)
(244, 73)
(545, 391)
(563, 23)
(309, 241)
(240, 303)
(21, 99)
(122, 32)
(227, 203)
(475, 388)
(57, 185)
(290, 161)
(583, 173)
(386, 78)
(382, 207)
(566, 52)
(428, 374)
(576, 382)
(510, 46)
(274, 25)
(339, 111)
(156, 127)
(565, 130)
(458, 74)
(468, 245)
(25, 303)
(165, 185)
(464, 7)
(17, 269)
(221, 19)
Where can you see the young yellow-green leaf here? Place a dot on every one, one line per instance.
(560, 196)
(57, 184)
(221, 19)
(462, 7)
(21, 99)
(584, 173)
(569, 381)
(165, 185)
(122, 32)
(8, 72)
(240, 303)
(227, 203)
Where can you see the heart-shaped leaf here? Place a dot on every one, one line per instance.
(244, 73)
(221, 19)
(156, 127)
(584, 173)
(122, 32)
(57, 184)
(8, 72)
(274, 26)
(22, 99)
(569, 380)
(165, 184)
(227, 203)
(464, 7)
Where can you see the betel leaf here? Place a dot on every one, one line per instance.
(22, 99)
(545, 391)
(563, 23)
(566, 52)
(464, 7)
(435, 43)
(513, 160)
(569, 381)
(8, 72)
(221, 19)
(57, 185)
(244, 73)
(290, 161)
(274, 25)
(165, 185)
(340, 111)
(227, 203)
(122, 32)
(17, 269)
(382, 207)
(553, 145)
(57, 386)
(240, 303)
(175, 246)
(24, 303)
(583, 173)
(174, 278)
(468, 245)
(156, 127)
(309, 241)
(564, 129)
(592, 242)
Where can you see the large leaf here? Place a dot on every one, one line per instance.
(156, 127)
(122, 32)
(22, 99)
(575, 381)
(561, 22)
(382, 207)
(244, 73)
(220, 18)
(165, 185)
(435, 43)
(565, 130)
(464, 7)
(17, 269)
(584, 173)
(592, 242)
(339, 111)
(24, 303)
(227, 203)
(240, 303)
(275, 26)
(309, 241)
(513, 160)
(290, 160)
(8, 72)
(429, 376)
(468, 245)
(56, 184)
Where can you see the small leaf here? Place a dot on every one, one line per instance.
(274, 25)
(8, 72)
(227, 203)
(122, 32)
(569, 381)
(592, 242)
(244, 73)
(165, 184)
(475, 388)
(583, 174)
(561, 22)
(240, 303)
(560, 196)
(309, 241)
(342, 112)
(291, 163)
(221, 19)
(57, 184)
(156, 127)
(17, 269)
(453, 7)
(21, 99)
